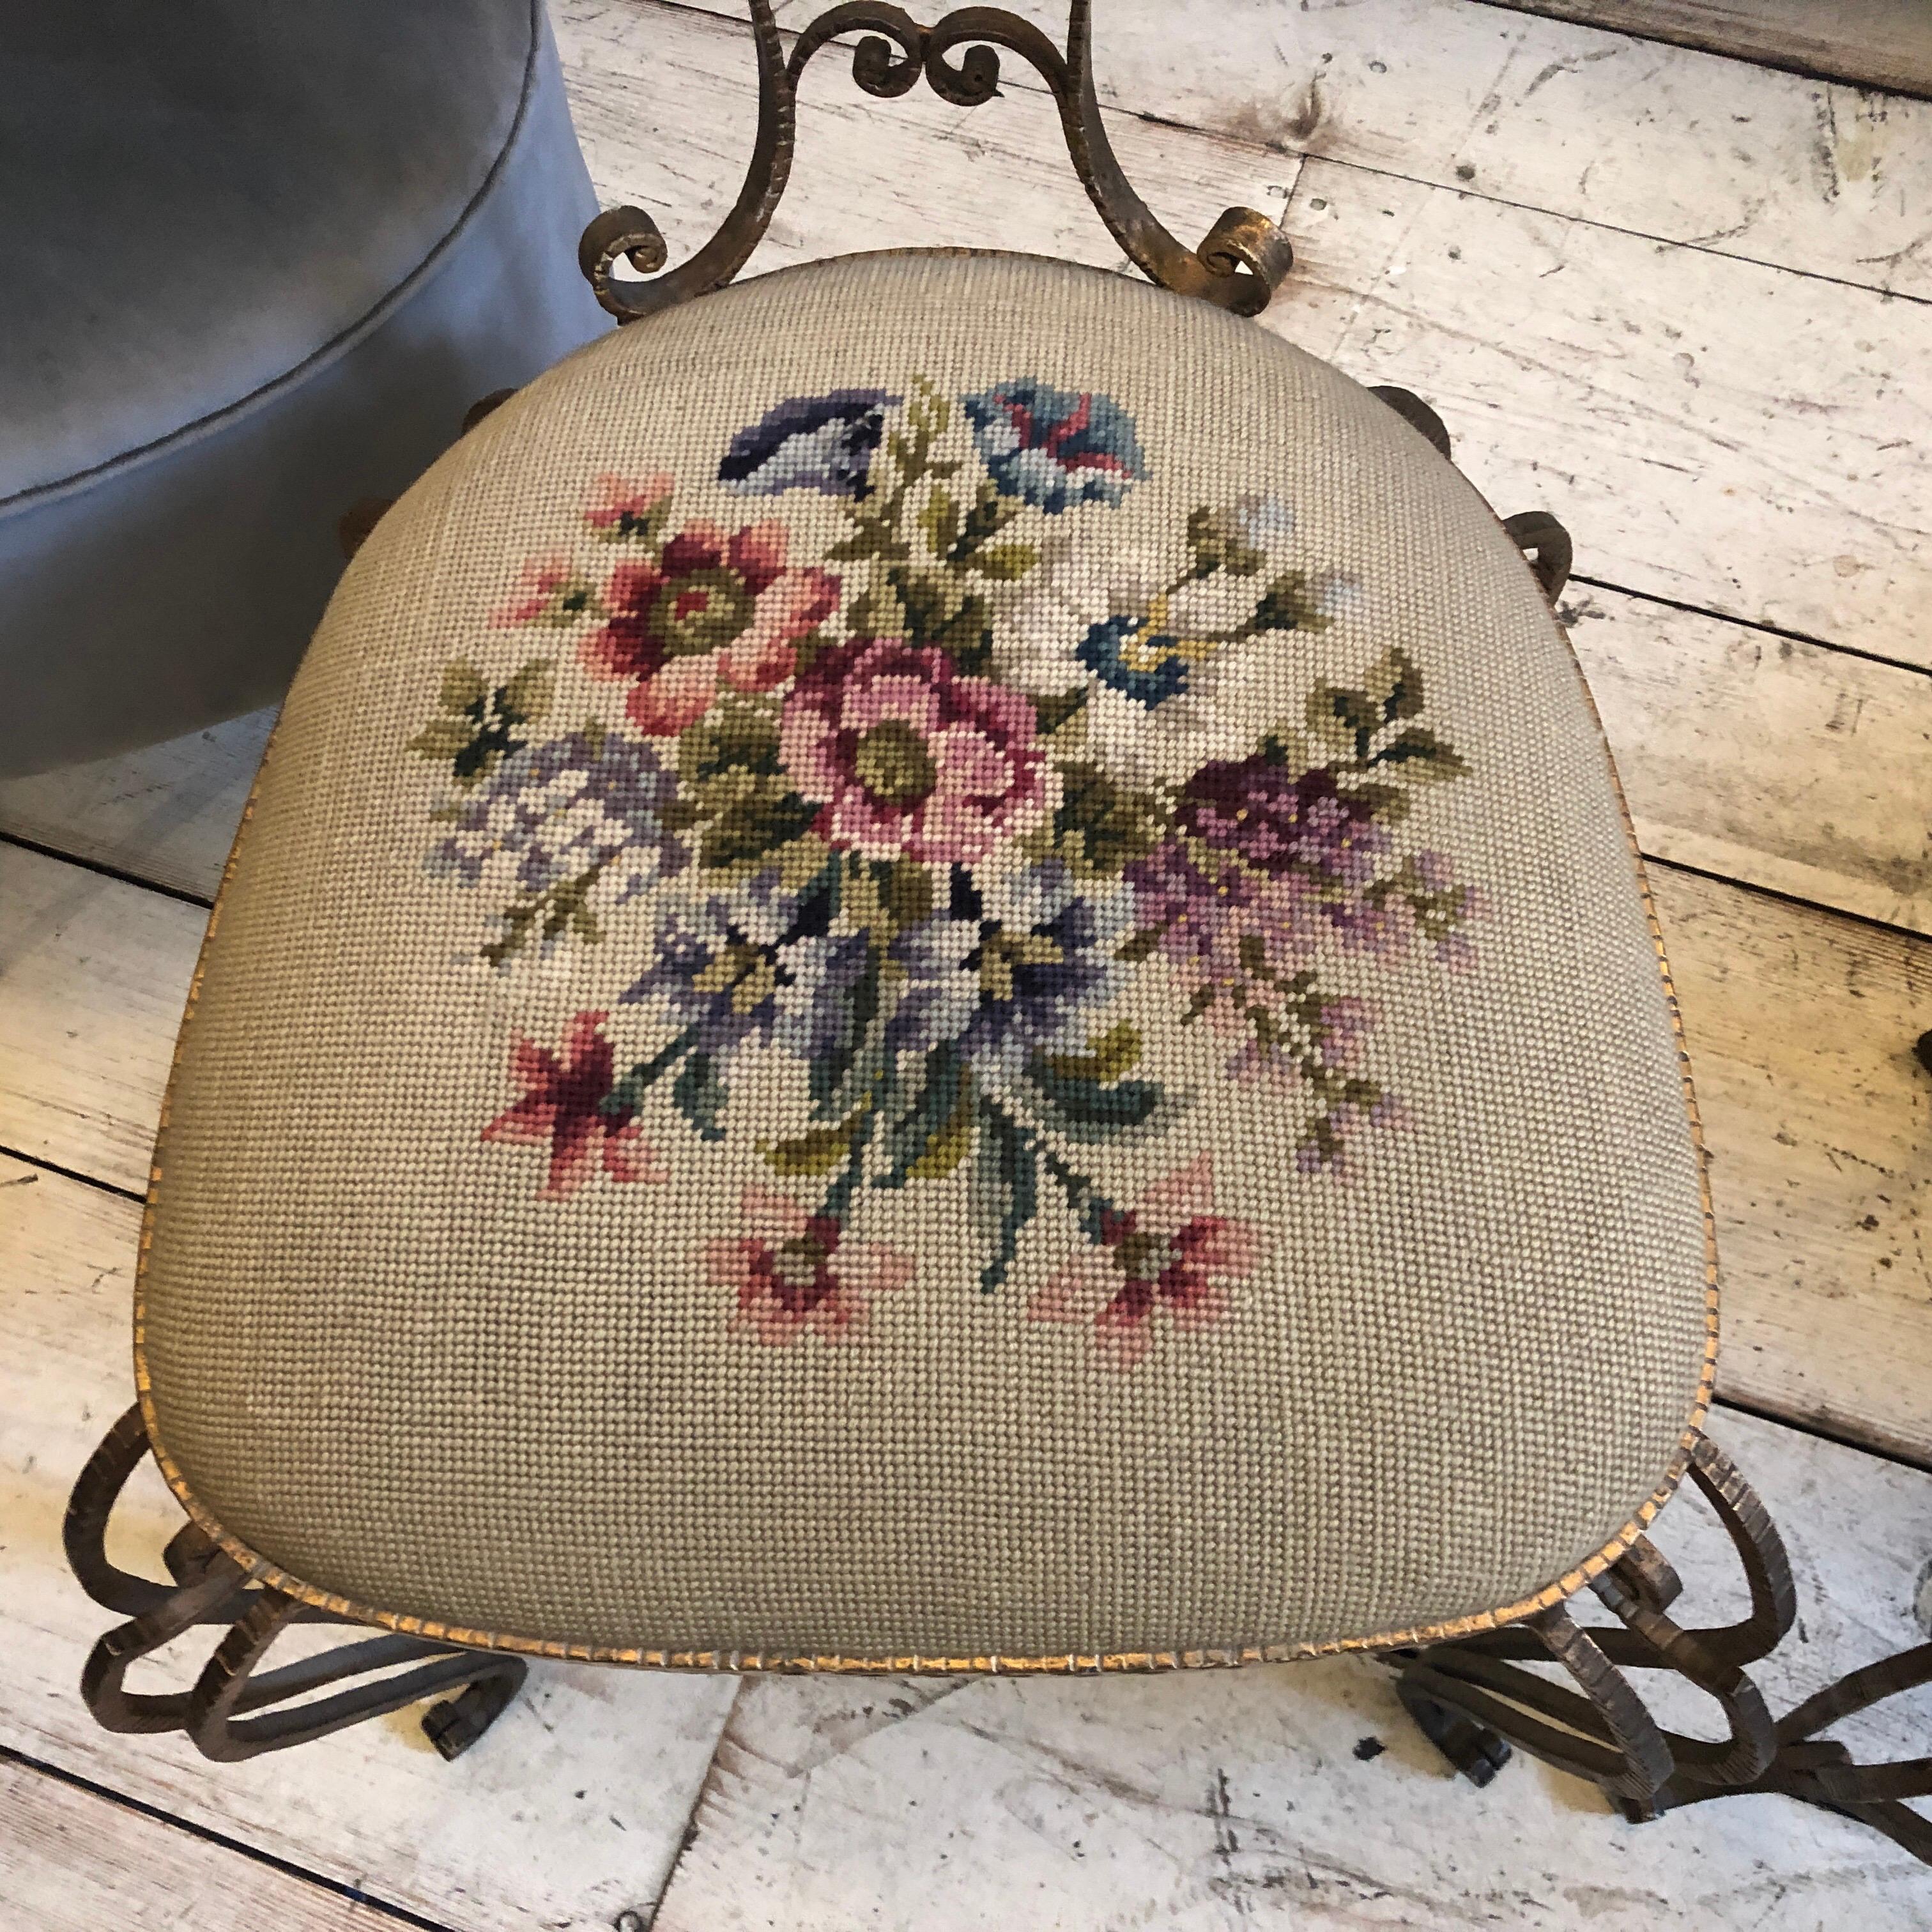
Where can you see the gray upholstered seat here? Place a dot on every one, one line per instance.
(259, 261)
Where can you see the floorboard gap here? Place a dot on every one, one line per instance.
(400, 1914)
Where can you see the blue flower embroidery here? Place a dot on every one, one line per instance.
(1054, 447)
(825, 443)
(1129, 655)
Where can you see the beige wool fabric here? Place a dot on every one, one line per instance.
(577, 1391)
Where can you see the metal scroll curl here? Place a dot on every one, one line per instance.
(1240, 262)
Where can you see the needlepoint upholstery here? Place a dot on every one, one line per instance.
(937, 963)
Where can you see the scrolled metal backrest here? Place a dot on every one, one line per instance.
(1240, 262)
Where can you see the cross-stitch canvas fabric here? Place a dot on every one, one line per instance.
(937, 962)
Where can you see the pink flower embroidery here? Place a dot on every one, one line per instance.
(621, 508)
(908, 756)
(567, 1101)
(1169, 1252)
(712, 606)
(794, 1271)
(547, 591)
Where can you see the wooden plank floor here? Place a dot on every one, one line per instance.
(1685, 302)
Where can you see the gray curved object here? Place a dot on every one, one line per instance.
(268, 259)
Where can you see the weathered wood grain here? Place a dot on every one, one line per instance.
(1732, 436)
(94, 973)
(72, 1861)
(1819, 1119)
(1878, 43)
(1300, 1795)
(1830, 180)
(166, 813)
(1739, 438)
(1772, 761)
(568, 1812)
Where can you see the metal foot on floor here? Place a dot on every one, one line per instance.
(235, 1710)
(1473, 1700)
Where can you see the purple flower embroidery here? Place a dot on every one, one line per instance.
(825, 443)
(1054, 447)
(1276, 821)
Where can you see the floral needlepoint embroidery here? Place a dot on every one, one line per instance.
(621, 507)
(825, 443)
(548, 592)
(794, 1271)
(909, 757)
(1169, 1254)
(568, 1102)
(709, 607)
(1054, 448)
(927, 836)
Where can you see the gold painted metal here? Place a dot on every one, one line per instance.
(1240, 264)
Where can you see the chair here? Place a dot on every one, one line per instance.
(938, 968)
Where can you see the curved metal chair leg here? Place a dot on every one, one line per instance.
(228, 1688)
(1473, 1701)
(211, 1588)
(1546, 544)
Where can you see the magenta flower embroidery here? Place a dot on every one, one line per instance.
(907, 757)
(1169, 1253)
(568, 1101)
(711, 607)
(792, 1270)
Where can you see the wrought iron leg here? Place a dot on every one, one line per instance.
(210, 1588)
(1473, 1699)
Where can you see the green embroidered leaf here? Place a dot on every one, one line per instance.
(990, 514)
(1087, 1110)
(1117, 1051)
(1288, 604)
(1005, 1192)
(1395, 681)
(1138, 946)
(937, 614)
(699, 1095)
(1099, 825)
(463, 685)
(819, 1150)
(877, 612)
(1004, 562)
(1342, 720)
(1216, 539)
(1421, 756)
(829, 1070)
(939, 518)
(527, 695)
(1054, 711)
(930, 1139)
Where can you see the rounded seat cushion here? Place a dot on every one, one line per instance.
(260, 262)
(937, 967)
